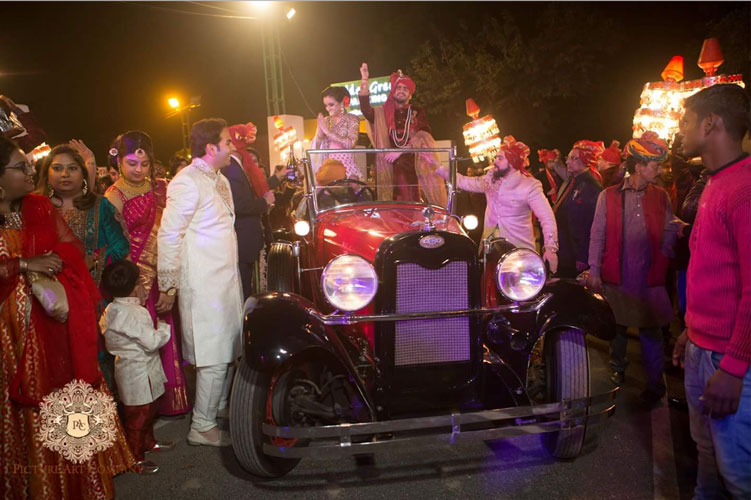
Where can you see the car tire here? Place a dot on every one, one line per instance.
(280, 268)
(567, 374)
(247, 413)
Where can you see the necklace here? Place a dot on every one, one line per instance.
(133, 189)
(12, 220)
(402, 141)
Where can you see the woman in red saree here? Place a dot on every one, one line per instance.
(140, 198)
(39, 353)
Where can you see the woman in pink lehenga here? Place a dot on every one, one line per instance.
(140, 200)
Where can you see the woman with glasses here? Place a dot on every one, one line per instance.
(139, 199)
(36, 349)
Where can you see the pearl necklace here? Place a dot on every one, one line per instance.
(402, 141)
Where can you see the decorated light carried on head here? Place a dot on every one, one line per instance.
(284, 137)
(661, 103)
(481, 135)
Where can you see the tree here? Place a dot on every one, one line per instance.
(521, 78)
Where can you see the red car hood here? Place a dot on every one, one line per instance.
(360, 230)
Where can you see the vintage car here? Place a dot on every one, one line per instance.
(388, 326)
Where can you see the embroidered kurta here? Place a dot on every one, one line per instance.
(100, 232)
(511, 202)
(130, 335)
(198, 256)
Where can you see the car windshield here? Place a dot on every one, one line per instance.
(340, 177)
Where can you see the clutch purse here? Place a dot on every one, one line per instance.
(51, 294)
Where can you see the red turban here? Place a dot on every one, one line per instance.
(589, 152)
(389, 107)
(612, 155)
(399, 77)
(546, 155)
(517, 153)
(242, 136)
(648, 147)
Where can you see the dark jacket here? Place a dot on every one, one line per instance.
(249, 211)
(573, 214)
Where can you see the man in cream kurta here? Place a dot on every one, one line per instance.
(198, 262)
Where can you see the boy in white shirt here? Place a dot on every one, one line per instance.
(129, 335)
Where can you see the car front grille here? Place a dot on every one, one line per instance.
(429, 341)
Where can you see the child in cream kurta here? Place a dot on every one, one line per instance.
(129, 335)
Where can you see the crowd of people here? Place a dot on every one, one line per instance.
(155, 272)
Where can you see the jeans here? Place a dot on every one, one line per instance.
(723, 444)
(651, 353)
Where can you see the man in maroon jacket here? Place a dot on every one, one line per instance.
(715, 348)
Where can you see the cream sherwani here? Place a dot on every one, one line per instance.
(198, 255)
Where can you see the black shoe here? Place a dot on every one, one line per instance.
(678, 404)
(617, 378)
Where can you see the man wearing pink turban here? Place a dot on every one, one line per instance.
(513, 195)
(575, 207)
(631, 241)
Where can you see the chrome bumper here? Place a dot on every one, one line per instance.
(370, 437)
(349, 319)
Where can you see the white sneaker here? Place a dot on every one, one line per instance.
(197, 439)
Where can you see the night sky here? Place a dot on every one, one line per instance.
(93, 70)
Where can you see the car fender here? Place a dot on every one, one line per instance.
(572, 305)
(279, 325)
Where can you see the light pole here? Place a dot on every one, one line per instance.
(184, 112)
(272, 57)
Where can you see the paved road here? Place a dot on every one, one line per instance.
(638, 454)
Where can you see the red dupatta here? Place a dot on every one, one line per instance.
(45, 231)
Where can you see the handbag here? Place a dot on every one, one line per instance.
(51, 295)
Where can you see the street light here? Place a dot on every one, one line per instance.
(184, 112)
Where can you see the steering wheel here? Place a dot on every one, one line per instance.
(342, 198)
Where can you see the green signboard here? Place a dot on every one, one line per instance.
(379, 90)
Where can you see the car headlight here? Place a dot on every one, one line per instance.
(520, 274)
(302, 228)
(470, 222)
(349, 282)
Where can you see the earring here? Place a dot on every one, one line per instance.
(50, 191)
(2, 194)
(85, 187)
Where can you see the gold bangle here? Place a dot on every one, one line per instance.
(23, 265)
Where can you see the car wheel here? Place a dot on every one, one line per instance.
(567, 376)
(280, 268)
(249, 406)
